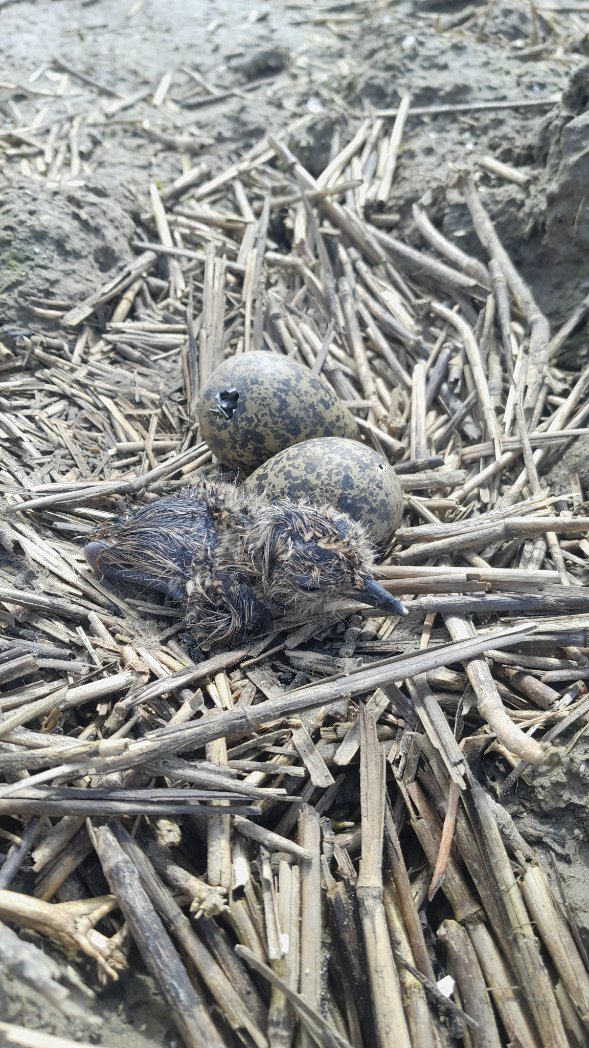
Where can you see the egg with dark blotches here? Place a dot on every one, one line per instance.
(256, 404)
(342, 473)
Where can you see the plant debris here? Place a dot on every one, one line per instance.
(302, 837)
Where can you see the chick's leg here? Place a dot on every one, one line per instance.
(223, 608)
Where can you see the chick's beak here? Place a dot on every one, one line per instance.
(378, 597)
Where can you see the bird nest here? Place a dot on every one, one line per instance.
(300, 834)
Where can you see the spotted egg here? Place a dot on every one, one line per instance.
(256, 404)
(342, 473)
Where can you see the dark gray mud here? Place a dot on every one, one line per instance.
(279, 61)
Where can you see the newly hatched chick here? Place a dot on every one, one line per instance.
(237, 561)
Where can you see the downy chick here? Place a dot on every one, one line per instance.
(237, 562)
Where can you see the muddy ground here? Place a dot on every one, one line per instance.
(269, 63)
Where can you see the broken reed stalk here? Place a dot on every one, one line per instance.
(241, 721)
(281, 1019)
(489, 702)
(526, 954)
(71, 926)
(405, 900)
(478, 372)
(310, 935)
(386, 990)
(318, 1029)
(555, 933)
(539, 327)
(161, 959)
(414, 996)
(464, 967)
(470, 914)
(235, 1012)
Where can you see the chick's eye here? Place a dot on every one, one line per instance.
(308, 584)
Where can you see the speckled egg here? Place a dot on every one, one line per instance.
(256, 404)
(341, 473)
